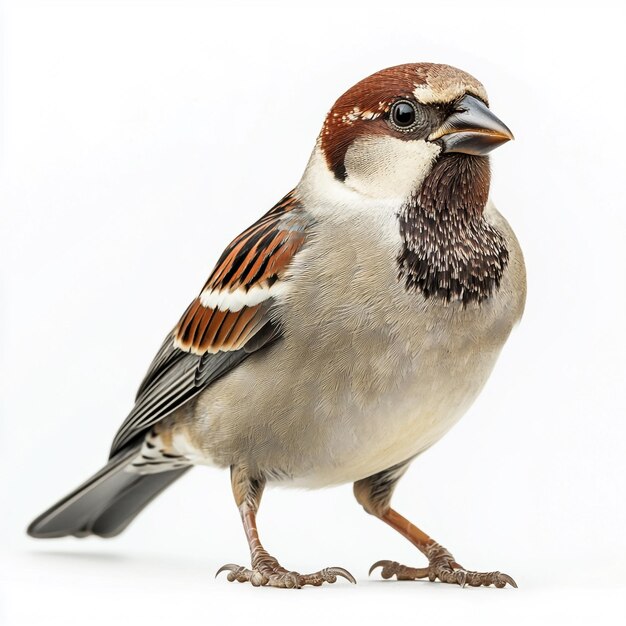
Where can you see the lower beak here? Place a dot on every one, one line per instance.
(472, 129)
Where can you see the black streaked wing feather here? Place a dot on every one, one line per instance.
(184, 376)
(165, 358)
(182, 370)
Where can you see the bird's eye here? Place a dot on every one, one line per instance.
(403, 115)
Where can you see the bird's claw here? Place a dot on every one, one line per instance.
(278, 577)
(446, 571)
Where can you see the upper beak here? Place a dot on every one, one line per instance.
(472, 129)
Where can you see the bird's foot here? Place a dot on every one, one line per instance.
(442, 566)
(273, 575)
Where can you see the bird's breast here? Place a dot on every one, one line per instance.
(366, 375)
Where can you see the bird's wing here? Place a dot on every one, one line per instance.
(228, 321)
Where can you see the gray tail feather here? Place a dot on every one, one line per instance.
(106, 503)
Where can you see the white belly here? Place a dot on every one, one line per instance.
(400, 424)
(332, 424)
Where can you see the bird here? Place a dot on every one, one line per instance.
(338, 337)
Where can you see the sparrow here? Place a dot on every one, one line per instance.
(339, 336)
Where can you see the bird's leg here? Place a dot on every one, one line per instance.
(374, 494)
(265, 569)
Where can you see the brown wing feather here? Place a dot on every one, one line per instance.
(257, 258)
(209, 342)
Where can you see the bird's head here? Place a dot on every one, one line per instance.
(385, 135)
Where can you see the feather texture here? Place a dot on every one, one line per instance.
(228, 321)
(235, 300)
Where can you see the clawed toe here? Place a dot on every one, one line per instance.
(401, 572)
(282, 578)
(446, 572)
(242, 574)
(329, 574)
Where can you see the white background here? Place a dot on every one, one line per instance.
(138, 138)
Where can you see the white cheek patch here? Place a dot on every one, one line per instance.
(388, 167)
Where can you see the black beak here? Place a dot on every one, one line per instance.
(472, 129)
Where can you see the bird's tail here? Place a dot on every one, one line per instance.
(106, 503)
